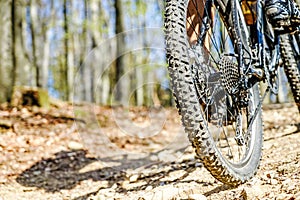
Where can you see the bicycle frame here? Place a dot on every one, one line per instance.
(267, 38)
(265, 44)
(264, 52)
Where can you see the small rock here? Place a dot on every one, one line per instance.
(169, 192)
(92, 167)
(154, 158)
(114, 186)
(125, 184)
(75, 145)
(131, 186)
(101, 197)
(105, 184)
(162, 183)
(287, 181)
(291, 187)
(37, 173)
(255, 181)
(174, 175)
(273, 182)
(197, 197)
(283, 196)
(255, 192)
(272, 195)
(269, 175)
(133, 178)
(6, 124)
(297, 196)
(166, 156)
(198, 164)
(150, 187)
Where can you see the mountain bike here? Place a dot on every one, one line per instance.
(219, 53)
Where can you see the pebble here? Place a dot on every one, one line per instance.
(114, 186)
(270, 174)
(287, 181)
(273, 182)
(101, 197)
(153, 158)
(174, 175)
(197, 197)
(125, 184)
(130, 186)
(283, 196)
(198, 164)
(291, 187)
(166, 156)
(6, 123)
(256, 191)
(37, 172)
(75, 145)
(133, 178)
(168, 193)
(150, 187)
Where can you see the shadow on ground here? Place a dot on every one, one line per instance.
(62, 171)
(59, 172)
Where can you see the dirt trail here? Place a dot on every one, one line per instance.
(135, 154)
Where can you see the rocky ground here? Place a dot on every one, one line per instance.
(88, 152)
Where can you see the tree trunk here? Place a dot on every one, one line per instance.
(33, 22)
(122, 87)
(46, 61)
(71, 69)
(13, 44)
(81, 88)
(66, 51)
(5, 51)
(12, 58)
(139, 90)
(97, 58)
(18, 73)
(46, 49)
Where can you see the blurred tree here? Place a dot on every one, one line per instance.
(40, 22)
(44, 42)
(14, 67)
(98, 26)
(84, 73)
(123, 82)
(141, 57)
(65, 66)
(33, 29)
(48, 25)
(5, 48)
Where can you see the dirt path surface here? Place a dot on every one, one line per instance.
(134, 154)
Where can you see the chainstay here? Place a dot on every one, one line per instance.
(259, 107)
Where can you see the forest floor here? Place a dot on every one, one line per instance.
(89, 152)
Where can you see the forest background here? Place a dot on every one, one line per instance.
(102, 51)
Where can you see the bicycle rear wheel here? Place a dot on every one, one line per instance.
(202, 52)
(290, 51)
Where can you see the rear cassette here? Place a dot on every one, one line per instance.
(229, 73)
